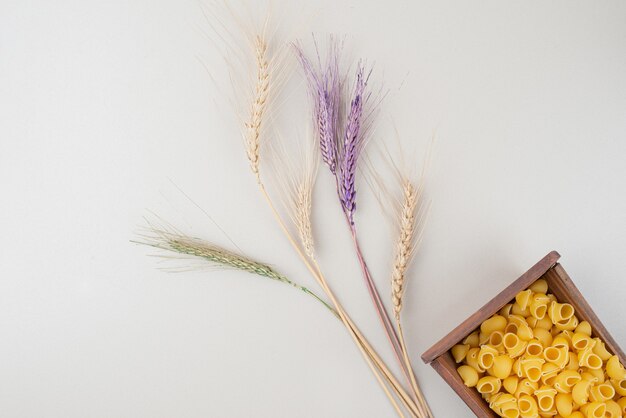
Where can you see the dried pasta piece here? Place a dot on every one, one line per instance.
(459, 352)
(564, 404)
(489, 384)
(469, 375)
(601, 393)
(615, 369)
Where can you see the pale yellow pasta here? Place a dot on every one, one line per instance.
(472, 339)
(506, 310)
(510, 384)
(472, 359)
(545, 398)
(622, 404)
(544, 336)
(601, 393)
(580, 392)
(469, 375)
(559, 312)
(534, 348)
(459, 352)
(540, 286)
(582, 341)
(619, 386)
(564, 404)
(524, 332)
(594, 410)
(523, 299)
(488, 384)
(517, 310)
(584, 328)
(567, 324)
(526, 387)
(514, 345)
(527, 406)
(502, 366)
(615, 369)
(573, 361)
(597, 375)
(599, 349)
(535, 358)
(531, 368)
(544, 323)
(495, 323)
(495, 340)
(566, 380)
(613, 410)
(549, 372)
(589, 360)
(557, 355)
(486, 356)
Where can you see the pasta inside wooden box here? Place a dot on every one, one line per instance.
(536, 350)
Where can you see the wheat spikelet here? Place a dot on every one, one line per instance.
(405, 245)
(261, 92)
(303, 205)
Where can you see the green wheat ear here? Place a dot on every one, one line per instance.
(181, 244)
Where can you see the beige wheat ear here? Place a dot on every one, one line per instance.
(259, 102)
(409, 226)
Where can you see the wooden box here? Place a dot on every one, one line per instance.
(559, 283)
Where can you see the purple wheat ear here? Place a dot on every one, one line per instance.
(352, 145)
(324, 86)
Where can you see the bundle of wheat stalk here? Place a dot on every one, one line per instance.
(342, 128)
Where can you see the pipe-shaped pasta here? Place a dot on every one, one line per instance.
(540, 286)
(594, 410)
(545, 398)
(531, 368)
(544, 323)
(596, 375)
(566, 381)
(549, 371)
(539, 305)
(615, 369)
(569, 324)
(514, 345)
(527, 406)
(524, 332)
(506, 310)
(573, 361)
(495, 340)
(543, 336)
(560, 341)
(523, 299)
(534, 348)
(589, 360)
(526, 387)
(516, 309)
(510, 384)
(622, 404)
(502, 366)
(564, 404)
(601, 393)
(559, 312)
(488, 384)
(472, 339)
(582, 341)
(495, 323)
(580, 392)
(469, 375)
(472, 359)
(599, 349)
(619, 386)
(459, 352)
(613, 410)
(584, 328)
(557, 355)
(486, 356)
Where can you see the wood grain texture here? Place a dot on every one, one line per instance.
(565, 290)
(493, 306)
(559, 284)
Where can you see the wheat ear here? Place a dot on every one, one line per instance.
(261, 93)
(182, 244)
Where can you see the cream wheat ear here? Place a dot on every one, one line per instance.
(342, 121)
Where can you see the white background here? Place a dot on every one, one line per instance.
(106, 110)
